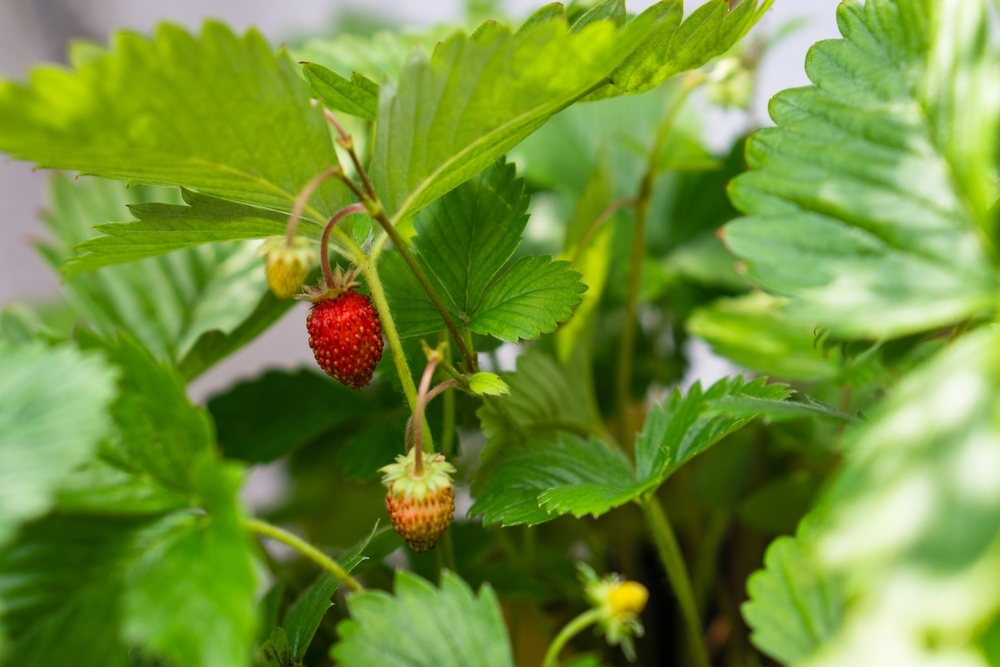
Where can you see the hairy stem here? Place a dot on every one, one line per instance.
(571, 630)
(324, 242)
(304, 548)
(677, 573)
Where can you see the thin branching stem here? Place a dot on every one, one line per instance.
(304, 548)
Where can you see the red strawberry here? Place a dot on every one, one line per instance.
(420, 505)
(345, 335)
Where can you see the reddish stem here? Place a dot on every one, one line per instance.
(324, 244)
(303, 198)
(418, 415)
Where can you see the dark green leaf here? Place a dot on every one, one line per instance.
(877, 237)
(217, 113)
(776, 410)
(357, 96)
(276, 650)
(265, 418)
(464, 630)
(536, 483)
(55, 403)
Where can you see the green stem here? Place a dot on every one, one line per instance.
(572, 629)
(626, 348)
(304, 548)
(673, 562)
(370, 270)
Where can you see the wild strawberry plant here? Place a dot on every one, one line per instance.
(459, 198)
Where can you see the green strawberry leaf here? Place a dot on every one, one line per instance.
(488, 384)
(465, 630)
(191, 585)
(55, 402)
(160, 435)
(518, 491)
(794, 607)
(357, 96)
(455, 113)
(276, 651)
(545, 398)
(676, 47)
(193, 307)
(541, 481)
(915, 507)
(304, 616)
(161, 228)
(530, 299)
(884, 235)
(463, 240)
(184, 104)
(755, 333)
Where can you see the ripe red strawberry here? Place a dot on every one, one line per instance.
(345, 335)
(420, 505)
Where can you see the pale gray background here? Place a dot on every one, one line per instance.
(35, 31)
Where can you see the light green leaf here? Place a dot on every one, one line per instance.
(357, 96)
(160, 435)
(676, 47)
(190, 588)
(465, 630)
(755, 332)
(776, 410)
(609, 10)
(530, 299)
(192, 307)
(877, 237)
(488, 384)
(161, 228)
(914, 513)
(794, 608)
(377, 56)
(216, 113)
(54, 414)
(458, 111)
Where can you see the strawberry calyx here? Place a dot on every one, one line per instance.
(404, 481)
(341, 281)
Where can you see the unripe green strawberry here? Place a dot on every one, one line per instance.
(420, 505)
(286, 266)
(345, 335)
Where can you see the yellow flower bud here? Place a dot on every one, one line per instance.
(628, 597)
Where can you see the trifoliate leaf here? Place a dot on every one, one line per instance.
(794, 607)
(465, 630)
(215, 113)
(861, 206)
(488, 384)
(55, 403)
